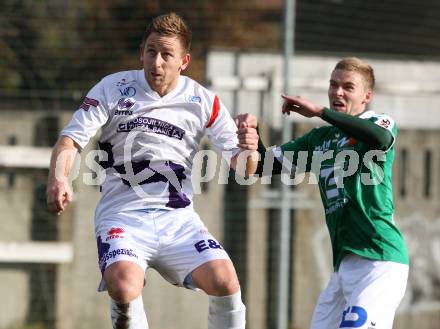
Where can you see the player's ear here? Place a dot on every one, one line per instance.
(141, 52)
(185, 61)
(368, 96)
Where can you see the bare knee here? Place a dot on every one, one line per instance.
(225, 286)
(123, 291)
(124, 281)
(224, 283)
(217, 278)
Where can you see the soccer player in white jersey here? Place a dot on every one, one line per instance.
(152, 121)
(369, 254)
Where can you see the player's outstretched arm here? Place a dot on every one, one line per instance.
(301, 106)
(377, 137)
(59, 192)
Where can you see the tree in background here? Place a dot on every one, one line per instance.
(56, 50)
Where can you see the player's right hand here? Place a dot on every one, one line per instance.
(301, 106)
(247, 131)
(249, 119)
(59, 194)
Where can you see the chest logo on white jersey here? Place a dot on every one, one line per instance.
(152, 125)
(125, 103)
(128, 91)
(193, 99)
(124, 82)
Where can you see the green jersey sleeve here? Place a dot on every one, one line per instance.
(373, 134)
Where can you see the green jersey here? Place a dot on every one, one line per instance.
(355, 184)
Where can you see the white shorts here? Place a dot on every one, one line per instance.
(363, 294)
(173, 242)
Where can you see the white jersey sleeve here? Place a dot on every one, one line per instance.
(221, 129)
(90, 116)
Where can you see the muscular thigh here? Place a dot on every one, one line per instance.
(216, 278)
(126, 241)
(185, 244)
(122, 273)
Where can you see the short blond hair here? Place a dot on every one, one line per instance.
(357, 65)
(170, 24)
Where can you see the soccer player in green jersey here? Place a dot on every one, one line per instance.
(352, 159)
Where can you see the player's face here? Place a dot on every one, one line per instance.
(348, 93)
(163, 58)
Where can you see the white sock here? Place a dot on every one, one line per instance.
(128, 316)
(226, 312)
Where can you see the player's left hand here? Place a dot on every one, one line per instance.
(301, 106)
(59, 195)
(247, 132)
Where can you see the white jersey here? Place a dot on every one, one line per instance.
(149, 140)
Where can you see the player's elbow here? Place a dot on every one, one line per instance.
(66, 142)
(383, 142)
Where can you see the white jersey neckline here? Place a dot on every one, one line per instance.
(154, 94)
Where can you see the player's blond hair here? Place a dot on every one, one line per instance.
(357, 65)
(170, 24)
